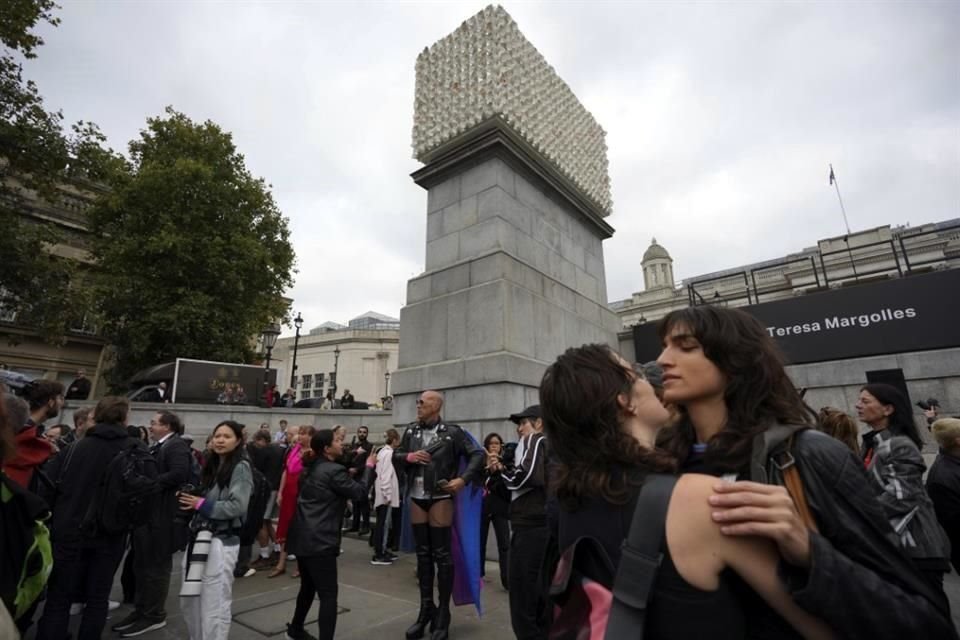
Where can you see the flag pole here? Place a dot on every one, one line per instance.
(846, 238)
(836, 185)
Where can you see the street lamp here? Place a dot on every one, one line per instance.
(297, 322)
(336, 360)
(269, 336)
(386, 384)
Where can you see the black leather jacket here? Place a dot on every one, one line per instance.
(860, 582)
(445, 453)
(325, 488)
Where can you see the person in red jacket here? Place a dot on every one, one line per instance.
(46, 401)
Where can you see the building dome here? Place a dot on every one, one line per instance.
(655, 251)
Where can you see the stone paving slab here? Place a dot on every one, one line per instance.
(378, 602)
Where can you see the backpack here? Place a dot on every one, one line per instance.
(26, 545)
(255, 508)
(125, 497)
(585, 608)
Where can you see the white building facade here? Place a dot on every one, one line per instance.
(360, 357)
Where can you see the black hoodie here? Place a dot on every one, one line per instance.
(77, 473)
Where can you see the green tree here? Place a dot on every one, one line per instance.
(36, 157)
(192, 252)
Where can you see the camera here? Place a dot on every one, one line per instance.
(929, 404)
(184, 517)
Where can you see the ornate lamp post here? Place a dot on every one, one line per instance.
(297, 322)
(386, 384)
(336, 360)
(269, 336)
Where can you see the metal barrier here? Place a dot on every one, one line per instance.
(783, 265)
(853, 263)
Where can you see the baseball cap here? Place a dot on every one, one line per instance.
(533, 411)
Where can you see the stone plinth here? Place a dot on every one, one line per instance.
(514, 275)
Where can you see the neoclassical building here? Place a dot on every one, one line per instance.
(862, 257)
(21, 346)
(360, 356)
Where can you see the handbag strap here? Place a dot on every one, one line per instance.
(794, 484)
(641, 554)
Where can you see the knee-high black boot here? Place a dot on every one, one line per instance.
(421, 534)
(440, 543)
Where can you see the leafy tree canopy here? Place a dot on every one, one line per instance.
(37, 156)
(192, 252)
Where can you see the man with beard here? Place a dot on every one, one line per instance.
(46, 400)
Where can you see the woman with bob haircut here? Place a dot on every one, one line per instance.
(601, 418)
(891, 453)
(742, 417)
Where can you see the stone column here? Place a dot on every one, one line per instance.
(514, 271)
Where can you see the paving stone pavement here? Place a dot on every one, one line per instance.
(376, 602)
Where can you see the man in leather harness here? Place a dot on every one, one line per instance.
(431, 451)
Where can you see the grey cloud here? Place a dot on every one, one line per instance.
(721, 118)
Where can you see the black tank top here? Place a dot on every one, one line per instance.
(678, 610)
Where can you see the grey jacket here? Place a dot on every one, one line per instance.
(224, 510)
(896, 470)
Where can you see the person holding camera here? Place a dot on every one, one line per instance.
(225, 487)
(155, 542)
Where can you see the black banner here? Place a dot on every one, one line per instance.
(914, 313)
(202, 381)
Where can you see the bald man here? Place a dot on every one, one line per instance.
(430, 453)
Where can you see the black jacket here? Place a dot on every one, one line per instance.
(860, 582)
(451, 443)
(943, 485)
(527, 480)
(161, 536)
(324, 489)
(77, 474)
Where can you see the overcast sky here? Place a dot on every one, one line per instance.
(721, 118)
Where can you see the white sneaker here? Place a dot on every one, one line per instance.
(290, 556)
(112, 604)
(76, 608)
(251, 571)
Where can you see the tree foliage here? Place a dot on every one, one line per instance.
(193, 254)
(36, 156)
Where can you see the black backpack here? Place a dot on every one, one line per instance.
(125, 497)
(584, 607)
(259, 497)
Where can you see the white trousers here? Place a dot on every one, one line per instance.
(208, 615)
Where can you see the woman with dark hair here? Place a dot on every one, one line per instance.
(496, 509)
(325, 487)
(225, 486)
(891, 454)
(297, 455)
(601, 418)
(839, 426)
(742, 417)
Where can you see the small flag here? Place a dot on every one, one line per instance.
(832, 177)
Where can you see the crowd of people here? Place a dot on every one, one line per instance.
(699, 492)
